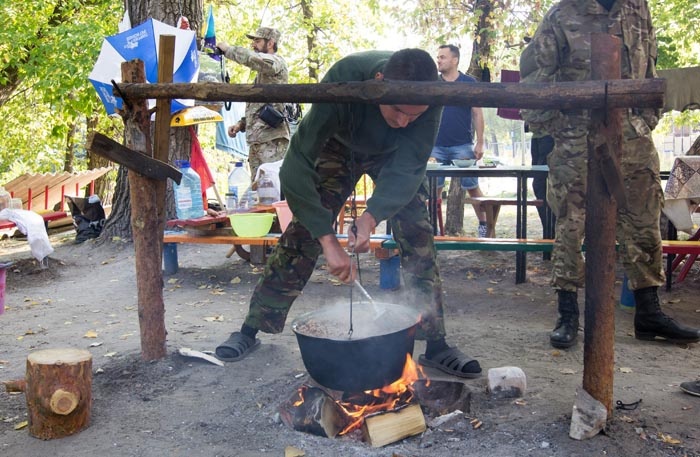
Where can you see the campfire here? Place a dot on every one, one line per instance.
(379, 417)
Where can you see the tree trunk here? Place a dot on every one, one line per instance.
(167, 11)
(314, 64)
(454, 225)
(454, 221)
(96, 161)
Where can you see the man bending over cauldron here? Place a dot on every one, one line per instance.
(334, 145)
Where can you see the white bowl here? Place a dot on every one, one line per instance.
(464, 163)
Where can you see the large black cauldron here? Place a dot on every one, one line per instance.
(372, 357)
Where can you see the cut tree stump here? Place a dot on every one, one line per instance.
(388, 427)
(59, 392)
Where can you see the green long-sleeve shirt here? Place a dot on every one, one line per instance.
(360, 127)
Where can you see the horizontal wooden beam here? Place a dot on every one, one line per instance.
(628, 93)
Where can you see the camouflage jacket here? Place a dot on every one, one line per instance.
(561, 51)
(271, 69)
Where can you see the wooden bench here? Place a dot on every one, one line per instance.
(172, 238)
(455, 243)
(492, 207)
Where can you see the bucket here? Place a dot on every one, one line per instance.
(284, 214)
(626, 296)
(390, 273)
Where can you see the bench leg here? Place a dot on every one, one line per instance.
(170, 265)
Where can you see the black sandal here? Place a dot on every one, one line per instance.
(451, 361)
(238, 344)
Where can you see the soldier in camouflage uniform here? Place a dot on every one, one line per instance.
(560, 51)
(265, 143)
(334, 145)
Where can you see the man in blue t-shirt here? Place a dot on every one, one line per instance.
(455, 138)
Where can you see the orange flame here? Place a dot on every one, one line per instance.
(387, 398)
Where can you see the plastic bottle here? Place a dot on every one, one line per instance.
(188, 195)
(267, 194)
(238, 182)
(5, 199)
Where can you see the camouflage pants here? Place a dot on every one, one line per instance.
(270, 151)
(292, 262)
(637, 230)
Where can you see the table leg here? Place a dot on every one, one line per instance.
(432, 203)
(672, 235)
(521, 228)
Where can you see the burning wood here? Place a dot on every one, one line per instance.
(392, 411)
(390, 426)
(312, 410)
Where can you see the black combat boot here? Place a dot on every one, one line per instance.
(650, 322)
(566, 331)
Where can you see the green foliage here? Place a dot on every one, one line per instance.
(48, 48)
(54, 46)
(677, 26)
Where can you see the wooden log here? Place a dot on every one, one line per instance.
(15, 386)
(59, 392)
(646, 93)
(133, 160)
(605, 143)
(146, 225)
(388, 427)
(318, 413)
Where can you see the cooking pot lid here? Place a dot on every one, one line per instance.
(332, 322)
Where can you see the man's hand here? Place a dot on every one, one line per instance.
(339, 262)
(223, 46)
(234, 129)
(365, 226)
(479, 150)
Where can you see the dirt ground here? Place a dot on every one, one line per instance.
(186, 407)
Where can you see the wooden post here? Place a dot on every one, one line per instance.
(145, 222)
(604, 150)
(59, 392)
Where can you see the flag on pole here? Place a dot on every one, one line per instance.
(210, 37)
(199, 164)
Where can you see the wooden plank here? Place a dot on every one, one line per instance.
(269, 240)
(645, 93)
(133, 160)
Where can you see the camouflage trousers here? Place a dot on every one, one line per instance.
(293, 260)
(637, 230)
(270, 151)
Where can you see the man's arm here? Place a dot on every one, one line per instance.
(478, 123)
(267, 64)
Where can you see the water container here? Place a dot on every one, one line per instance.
(238, 182)
(188, 195)
(267, 193)
(5, 199)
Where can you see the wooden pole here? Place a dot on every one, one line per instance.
(604, 150)
(145, 223)
(645, 93)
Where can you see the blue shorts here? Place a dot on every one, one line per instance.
(447, 153)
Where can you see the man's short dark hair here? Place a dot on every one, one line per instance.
(453, 49)
(411, 65)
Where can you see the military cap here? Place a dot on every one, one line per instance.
(267, 33)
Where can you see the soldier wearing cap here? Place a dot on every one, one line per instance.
(266, 143)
